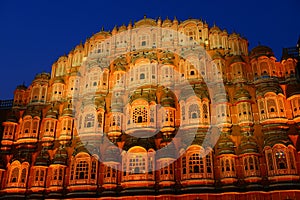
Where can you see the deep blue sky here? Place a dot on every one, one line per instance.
(35, 33)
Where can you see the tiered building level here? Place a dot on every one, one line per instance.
(94, 130)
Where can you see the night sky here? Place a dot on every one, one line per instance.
(35, 33)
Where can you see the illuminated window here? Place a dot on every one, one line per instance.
(82, 170)
(137, 164)
(194, 111)
(281, 160)
(140, 115)
(89, 121)
(14, 175)
(194, 163)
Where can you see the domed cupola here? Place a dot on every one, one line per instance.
(261, 50)
(51, 113)
(122, 28)
(225, 145)
(292, 89)
(42, 76)
(166, 151)
(242, 95)
(80, 148)
(33, 112)
(201, 91)
(12, 117)
(217, 55)
(249, 145)
(167, 99)
(111, 153)
(214, 29)
(167, 23)
(68, 110)
(100, 102)
(61, 156)
(43, 159)
(21, 87)
(263, 89)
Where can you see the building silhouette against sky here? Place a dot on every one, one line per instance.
(136, 113)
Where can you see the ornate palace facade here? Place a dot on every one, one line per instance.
(105, 122)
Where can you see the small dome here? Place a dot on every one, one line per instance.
(122, 28)
(80, 148)
(242, 94)
(167, 22)
(248, 145)
(217, 55)
(112, 153)
(42, 159)
(167, 151)
(32, 112)
(21, 87)
(225, 145)
(261, 51)
(168, 99)
(175, 21)
(61, 156)
(261, 91)
(237, 59)
(214, 29)
(145, 22)
(43, 75)
(292, 89)
(79, 47)
(51, 114)
(59, 79)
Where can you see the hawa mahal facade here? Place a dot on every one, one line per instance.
(97, 131)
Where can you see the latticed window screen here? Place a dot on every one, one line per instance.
(208, 164)
(89, 121)
(194, 163)
(184, 165)
(272, 105)
(93, 170)
(137, 164)
(82, 170)
(194, 111)
(140, 115)
(14, 175)
(23, 176)
(281, 160)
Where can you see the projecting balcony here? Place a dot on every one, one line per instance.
(142, 126)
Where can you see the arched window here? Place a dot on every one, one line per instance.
(142, 76)
(194, 162)
(14, 175)
(23, 175)
(205, 111)
(183, 161)
(137, 164)
(183, 112)
(140, 114)
(194, 111)
(281, 160)
(272, 105)
(208, 164)
(82, 169)
(270, 161)
(27, 125)
(89, 121)
(93, 170)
